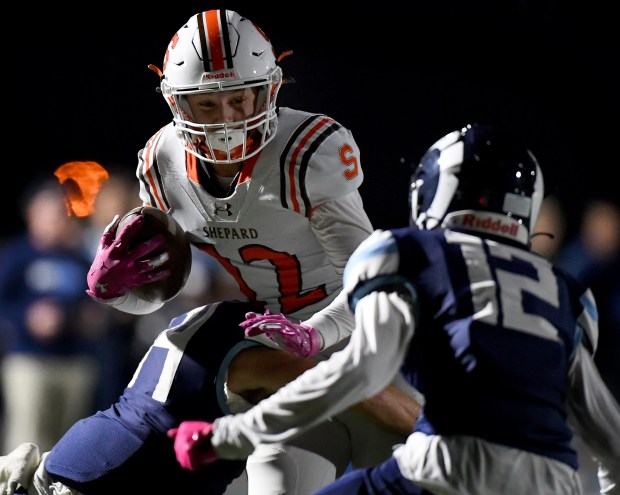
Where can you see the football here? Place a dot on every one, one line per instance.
(177, 246)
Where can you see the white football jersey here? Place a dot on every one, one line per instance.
(261, 230)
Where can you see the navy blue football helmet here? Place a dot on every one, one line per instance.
(481, 180)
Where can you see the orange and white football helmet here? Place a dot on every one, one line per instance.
(220, 50)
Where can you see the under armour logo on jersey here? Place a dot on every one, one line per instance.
(219, 208)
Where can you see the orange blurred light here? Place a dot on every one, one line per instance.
(81, 182)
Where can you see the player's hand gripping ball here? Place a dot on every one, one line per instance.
(175, 244)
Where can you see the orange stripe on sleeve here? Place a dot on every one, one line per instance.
(300, 146)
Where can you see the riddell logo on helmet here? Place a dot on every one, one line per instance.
(490, 224)
(219, 75)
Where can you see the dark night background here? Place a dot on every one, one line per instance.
(399, 75)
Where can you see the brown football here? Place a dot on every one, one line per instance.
(178, 247)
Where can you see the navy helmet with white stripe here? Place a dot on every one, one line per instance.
(480, 180)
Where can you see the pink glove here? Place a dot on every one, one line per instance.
(116, 269)
(192, 444)
(297, 338)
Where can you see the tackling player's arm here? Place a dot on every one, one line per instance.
(257, 372)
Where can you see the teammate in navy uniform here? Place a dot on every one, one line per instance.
(499, 342)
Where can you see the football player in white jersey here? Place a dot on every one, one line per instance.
(272, 194)
(499, 341)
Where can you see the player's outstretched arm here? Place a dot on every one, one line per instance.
(258, 372)
(391, 409)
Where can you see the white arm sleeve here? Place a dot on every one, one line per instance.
(595, 416)
(340, 226)
(384, 326)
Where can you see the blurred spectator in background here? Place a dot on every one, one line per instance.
(593, 256)
(550, 231)
(116, 196)
(48, 371)
(116, 330)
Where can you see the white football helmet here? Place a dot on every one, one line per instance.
(219, 50)
(478, 179)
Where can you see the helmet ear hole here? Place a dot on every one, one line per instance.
(478, 179)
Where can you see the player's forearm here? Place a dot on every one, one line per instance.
(310, 399)
(257, 372)
(340, 226)
(361, 370)
(334, 323)
(391, 409)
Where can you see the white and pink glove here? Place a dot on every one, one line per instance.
(297, 338)
(118, 267)
(192, 444)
